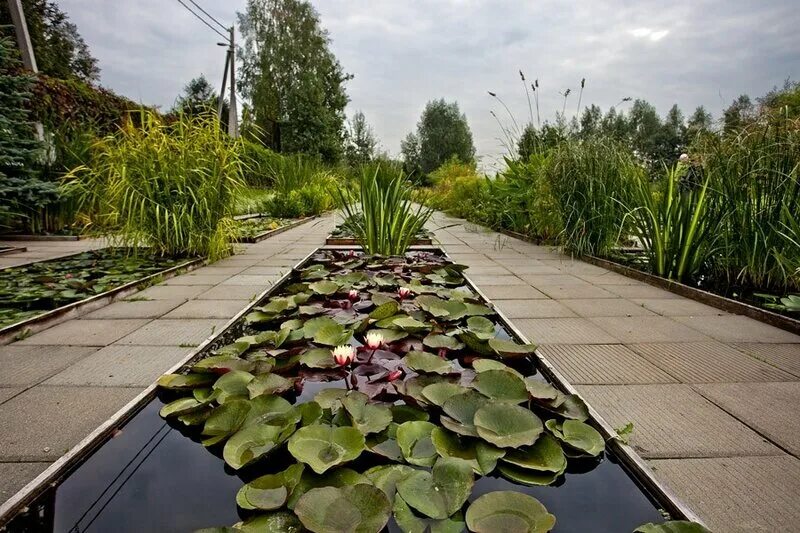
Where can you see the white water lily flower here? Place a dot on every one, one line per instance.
(344, 355)
(374, 340)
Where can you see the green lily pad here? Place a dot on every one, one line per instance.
(507, 426)
(225, 420)
(568, 406)
(366, 417)
(322, 447)
(386, 478)
(483, 364)
(437, 341)
(310, 412)
(438, 393)
(427, 362)
(269, 384)
(440, 492)
(324, 287)
(508, 512)
(578, 435)
(541, 390)
(531, 478)
(414, 439)
(187, 381)
(233, 385)
(385, 310)
(673, 526)
(275, 522)
(338, 477)
(180, 407)
(253, 442)
(357, 509)
(478, 310)
(511, 350)
(460, 410)
(222, 363)
(443, 309)
(481, 456)
(330, 398)
(474, 343)
(412, 523)
(407, 413)
(501, 386)
(332, 335)
(481, 327)
(545, 455)
(271, 491)
(318, 358)
(412, 325)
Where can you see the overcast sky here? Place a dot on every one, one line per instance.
(404, 53)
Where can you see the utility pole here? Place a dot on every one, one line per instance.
(230, 68)
(23, 37)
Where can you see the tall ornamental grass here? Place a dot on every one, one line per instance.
(382, 215)
(169, 187)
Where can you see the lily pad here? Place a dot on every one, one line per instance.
(275, 522)
(507, 426)
(317, 358)
(324, 287)
(414, 439)
(437, 341)
(412, 325)
(254, 442)
(568, 406)
(483, 364)
(511, 350)
(673, 526)
(338, 477)
(225, 420)
(333, 334)
(578, 435)
(330, 398)
(356, 509)
(531, 478)
(461, 409)
(385, 310)
(386, 477)
(438, 393)
(541, 390)
(508, 512)
(501, 386)
(271, 491)
(269, 384)
(187, 381)
(366, 417)
(427, 362)
(440, 492)
(481, 456)
(180, 407)
(232, 385)
(545, 455)
(481, 327)
(407, 413)
(322, 447)
(412, 523)
(443, 309)
(222, 363)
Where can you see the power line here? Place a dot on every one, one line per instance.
(201, 19)
(206, 13)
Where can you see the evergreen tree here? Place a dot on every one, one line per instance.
(442, 133)
(199, 97)
(700, 121)
(739, 113)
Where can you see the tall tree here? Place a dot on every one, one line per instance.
(442, 133)
(360, 143)
(293, 80)
(700, 121)
(60, 50)
(198, 97)
(739, 113)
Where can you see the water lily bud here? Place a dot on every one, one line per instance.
(684, 158)
(394, 375)
(374, 340)
(344, 355)
(442, 352)
(353, 295)
(403, 292)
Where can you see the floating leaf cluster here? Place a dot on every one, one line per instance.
(250, 228)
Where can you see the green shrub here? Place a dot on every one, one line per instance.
(170, 187)
(259, 164)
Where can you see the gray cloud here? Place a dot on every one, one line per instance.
(701, 52)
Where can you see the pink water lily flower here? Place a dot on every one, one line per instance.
(374, 340)
(344, 355)
(353, 295)
(403, 292)
(394, 375)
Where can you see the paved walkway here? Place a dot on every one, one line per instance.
(714, 397)
(60, 384)
(44, 250)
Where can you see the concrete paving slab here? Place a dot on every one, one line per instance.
(541, 280)
(197, 279)
(769, 408)
(647, 329)
(172, 292)
(575, 290)
(14, 476)
(609, 278)
(256, 281)
(121, 366)
(674, 421)
(708, 362)
(485, 271)
(265, 271)
(640, 291)
(24, 366)
(173, 332)
(534, 268)
(678, 307)
(589, 307)
(533, 309)
(504, 292)
(208, 309)
(101, 332)
(603, 364)
(48, 421)
(784, 356)
(6, 393)
(231, 292)
(216, 270)
(136, 309)
(563, 331)
(739, 494)
(736, 328)
(496, 280)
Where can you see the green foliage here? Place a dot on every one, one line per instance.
(200, 97)
(292, 78)
(302, 186)
(383, 217)
(168, 187)
(360, 141)
(252, 200)
(260, 164)
(442, 133)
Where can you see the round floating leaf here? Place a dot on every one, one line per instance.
(222, 363)
(277, 522)
(384, 310)
(508, 512)
(271, 410)
(330, 398)
(481, 327)
(324, 287)
(437, 341)
(357, 509)
(310, 412)
(482, 365)
(461, 409)
(332, 335)
(477, 310)
(440, 492)
(269, 384)
(386, 477)
(673, 526)
(531, 478)
(568, 406)
(511, 350)
(582, 437)
(545, 455)
(438, 393)
(188, 381)
(322, 447)
(412, 388)
(180, 407)
(338, 477)
(233, 385)
(474, 343)
(366, 417)
(444, 309)
(407, 413)
(507, 426)
(411, 523)
(254, 442)
(427, 362)
(225, 420)
(269, 492)
(541, 390)
(501, 386)
(482, 457)
(385, 445)
(406, 323)
(317, 358)
(414, 439)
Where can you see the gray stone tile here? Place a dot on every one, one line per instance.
(608, 278)
(602, 364)
(208, 309)
(23, 366)
(274, 271)
(575, 290)
(533, 269)
(678, 307)
(14, 476)
(641, 290)
(136, 309)
(708, 362)
(496, 280)
(121, 366)
(172, 292)
(231, 292)
(542, 280)
(674, 421)
(647, 329)
(769, 408)
(6, 393)
(48, 421)
(174, 332)
(784, 356)
(533, 309)
(86, 332)
(737, 494)
(261, 282)
(484, 271)
(588, 307)
(736, 328)
(563, 331)
(504, 292)
(216, 270)
(201, 278)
